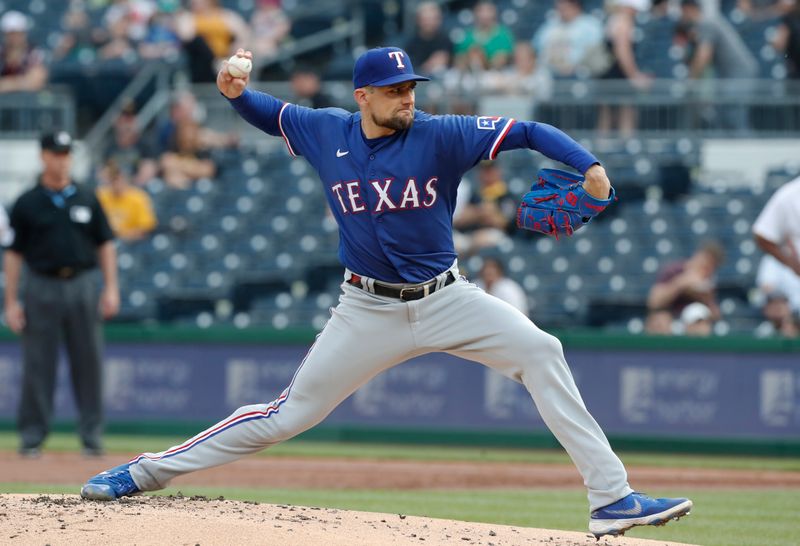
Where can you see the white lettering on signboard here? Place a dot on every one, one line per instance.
(777, 400)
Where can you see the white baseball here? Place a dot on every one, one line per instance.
(239, 67)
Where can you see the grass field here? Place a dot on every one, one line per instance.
(720, 518)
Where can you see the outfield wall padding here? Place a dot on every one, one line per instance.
(647, 392)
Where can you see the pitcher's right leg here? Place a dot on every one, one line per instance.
(365, 335)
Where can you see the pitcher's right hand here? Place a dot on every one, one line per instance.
(228, 85)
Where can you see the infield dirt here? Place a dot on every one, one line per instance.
(151, 520)
(156, 520)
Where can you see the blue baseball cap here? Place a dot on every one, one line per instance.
(384, 66)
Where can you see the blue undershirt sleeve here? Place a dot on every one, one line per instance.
(549, 141)
(259, 110)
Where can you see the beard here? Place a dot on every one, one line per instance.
(396, 123)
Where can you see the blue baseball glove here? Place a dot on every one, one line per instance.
(558, 204)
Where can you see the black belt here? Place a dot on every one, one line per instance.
(62, 272)
(405, 293)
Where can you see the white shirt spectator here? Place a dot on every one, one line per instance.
(779, 223)
(463, 197)
(135, 13)
(774, 275)
(562, 46)
(500, 393)
(509, 291)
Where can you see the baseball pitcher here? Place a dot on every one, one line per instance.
(390, 174)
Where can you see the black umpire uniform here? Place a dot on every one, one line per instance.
(59, 234)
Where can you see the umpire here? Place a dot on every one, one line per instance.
(61, 234)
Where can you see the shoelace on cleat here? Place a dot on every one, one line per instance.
(122, 486)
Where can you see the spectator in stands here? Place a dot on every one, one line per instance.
(22, 66)
(488, 219)
(514, 91)
(498, 390)
(307, 89)
(128, 208)
(118, 24)
(780, 320)
(80, 41)
(270, 26)
(681, 283)
(773, 275)
(563, 43)
(697, 320)
(777, 233)
(129, 151)
(658, 322)
(525, 75)
(161, 40)
(713, 44)
(787, 40)
(184, 110)
(488, 44)
(430, 43)
(660, 9)
(187, 160)
(493, 281)
(131, 17)
(762, 9)
(210, 33)
(619, 63)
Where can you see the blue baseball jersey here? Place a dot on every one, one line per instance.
(393, 197)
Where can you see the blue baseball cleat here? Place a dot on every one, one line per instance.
(636, 509)
(110, 484)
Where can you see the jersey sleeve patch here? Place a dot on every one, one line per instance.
(488, 123)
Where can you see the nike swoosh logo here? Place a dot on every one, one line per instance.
(340, 153)
(636, 510)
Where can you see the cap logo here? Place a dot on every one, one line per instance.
(398, 58)
(382, 66)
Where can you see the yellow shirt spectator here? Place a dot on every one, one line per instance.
(129, 209)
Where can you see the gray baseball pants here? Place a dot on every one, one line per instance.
(368, 334)
(56, 311)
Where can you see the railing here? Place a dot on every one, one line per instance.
(350, 32)
(671, 108)
(152, 74)
(707, 108)
(25, 115)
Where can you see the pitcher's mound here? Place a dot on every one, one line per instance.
(153, 520)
